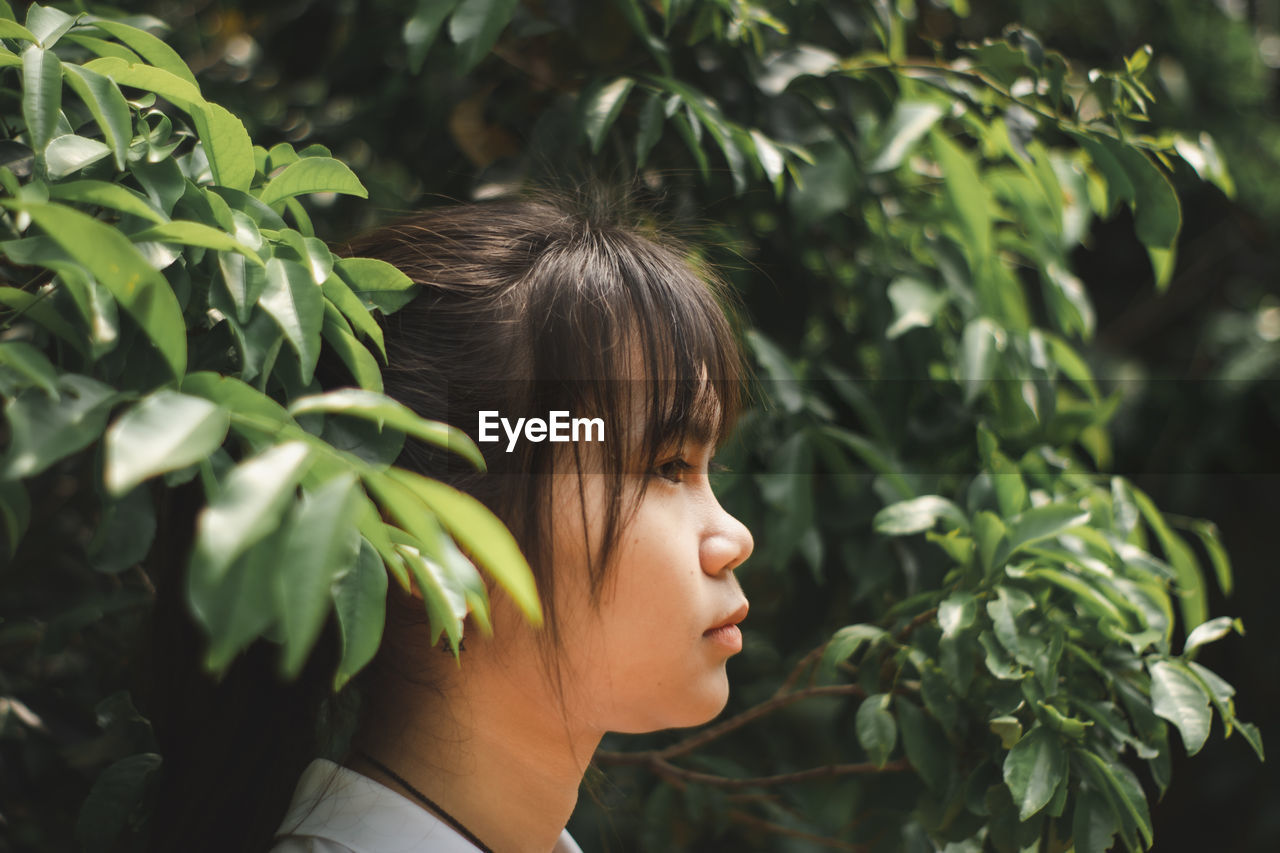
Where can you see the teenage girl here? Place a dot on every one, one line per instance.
(528, 308)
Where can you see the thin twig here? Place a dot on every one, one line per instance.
(804, 663)
(862, 768)
(738, 721)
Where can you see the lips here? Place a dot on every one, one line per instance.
(729, 621)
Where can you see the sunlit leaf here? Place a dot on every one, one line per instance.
(162, 432)
(1177, 696)
(312, 175)
(44, 429)
(294, 301)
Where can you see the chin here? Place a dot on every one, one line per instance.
(701, 703)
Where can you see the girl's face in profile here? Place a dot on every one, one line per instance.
(651, 653)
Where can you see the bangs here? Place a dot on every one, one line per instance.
(643, 341)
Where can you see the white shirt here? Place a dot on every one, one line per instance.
(337, 810)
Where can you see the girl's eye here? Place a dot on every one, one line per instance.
(673, 470)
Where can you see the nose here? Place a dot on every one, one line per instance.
(727, 545)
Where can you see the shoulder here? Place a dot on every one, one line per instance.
(336, 810)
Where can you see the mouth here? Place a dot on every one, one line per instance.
(726, 633)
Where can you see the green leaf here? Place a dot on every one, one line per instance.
(876, 729)
(363, 366)
(38, 307)
(162, 432)
(1207, 632)
(107, 106)
(1093, 826)
(226, 145)
(1191, 587)
(445, 601)
(102, 47)
(31, 364)
(294, 301)
(181, 93)
(422, 27)
(104, 194)
(350, 306)
(15, 513)
(846, 642)
(376, 283)
(1038, 524)
(189, 233)
(235, 603)
(70, 153)
(981, 343)
(968, 198)
(13, 30)
(1034, 769)
(600, 107)
(915, 305)
(1253, 737)
(312, 175)
(48, 24)
(247, 507)
(910, 121)
(649, 127)
(1210, 538)
(918, 515)
(1156, 213)
(359, 598)
(475, 27)
(926, 746)
(957, 613)
(387, 412)
(483, 536)
(150, 48)
(112, 260)
(45, 429)
(41, 96)
(113, 801)
(321, 542)
(1122, 788)
(1177, 696)
(126, 531)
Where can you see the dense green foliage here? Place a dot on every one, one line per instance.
(965, 630)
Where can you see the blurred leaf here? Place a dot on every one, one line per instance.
(320, 544)
(1093, 824)
(125, 533)
(1207, 632)
(483, 536)
(1178, 697)
(877, 731)
(162, 432)
(1034, 769)
(44, 429)
(926, 746)
(910, 121)
(15, 513)
(384, 411)
(476, 25)
(600, 107)
(918, 515)
(247, 507)
(359, 598)
(116, 795)
(31, 364)
(422, 27)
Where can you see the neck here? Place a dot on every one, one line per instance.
(494, 753)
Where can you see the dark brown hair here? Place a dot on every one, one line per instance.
(529, 307)
(525, 307)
